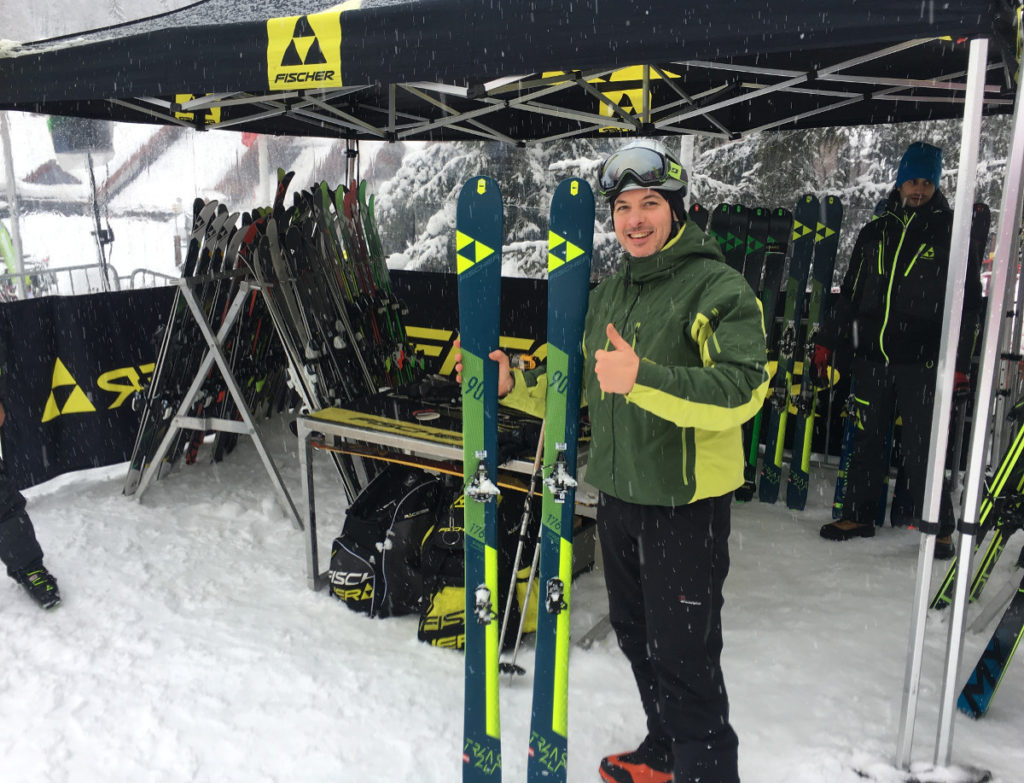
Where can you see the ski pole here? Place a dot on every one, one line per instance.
(960, 398)
(524, 524)
(828, 412)
(511, 667)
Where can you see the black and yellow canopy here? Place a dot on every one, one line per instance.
(520, 71)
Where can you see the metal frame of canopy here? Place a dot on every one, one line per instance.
(437, 108)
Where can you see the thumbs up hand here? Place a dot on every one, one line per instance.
(616, 369)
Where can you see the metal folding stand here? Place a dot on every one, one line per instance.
(247, 426)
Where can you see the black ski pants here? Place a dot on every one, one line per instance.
(18, 546)
(664, 570)
(881, 391)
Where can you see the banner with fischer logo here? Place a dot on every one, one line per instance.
(73, 364)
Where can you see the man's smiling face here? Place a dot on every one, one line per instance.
(643, 221)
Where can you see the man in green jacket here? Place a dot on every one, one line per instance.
(674, 363)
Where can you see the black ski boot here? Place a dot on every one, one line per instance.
(945, 549)
(40, 584)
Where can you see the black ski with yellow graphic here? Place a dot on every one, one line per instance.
(826, 245)
(805, 219)
(753, 268)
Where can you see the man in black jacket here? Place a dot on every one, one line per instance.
(19, 550)
(889, 314)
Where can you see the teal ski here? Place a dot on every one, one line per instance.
(478, 235)
(570, 243)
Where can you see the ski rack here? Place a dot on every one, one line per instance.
(305, 390)
(333, 430)
(215, 355)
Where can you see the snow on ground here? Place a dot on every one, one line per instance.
(189, 648)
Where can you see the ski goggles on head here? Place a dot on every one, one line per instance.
(646, 167)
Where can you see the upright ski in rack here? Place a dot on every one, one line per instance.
(718, 224)
(478, 236)
(826, 244)
(698, 214)
(780, 226)
(729, 226)
(757, 243)
(753, 267)
(570, 243)
(805, 219)
(845, 450)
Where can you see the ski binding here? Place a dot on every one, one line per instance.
(554, 601)
(482, 608)
(481, 488)
(560, 482)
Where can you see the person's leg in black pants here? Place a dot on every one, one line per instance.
(664, 571)
(915, 395)
(865, 477)
(18, 546)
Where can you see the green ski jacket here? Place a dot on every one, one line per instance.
(698, 330)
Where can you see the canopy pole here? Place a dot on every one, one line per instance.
(99, 233)
(686, 158)
(1008, 219)
(12, 200)
(266, 184)
(351, 161)
(955, 281)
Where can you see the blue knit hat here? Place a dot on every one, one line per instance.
(920, 161)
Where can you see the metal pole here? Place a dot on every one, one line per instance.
(955, 280)
(351, 161)
(265, 184)
(100, 251)
(12, 200)
(686, 158)
(1013, 329)
(987, 369)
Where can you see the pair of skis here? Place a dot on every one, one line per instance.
(1001, 514)
(479, 221)
(815, 237)
(754, 242)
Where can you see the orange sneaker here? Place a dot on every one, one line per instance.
(635, 767)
